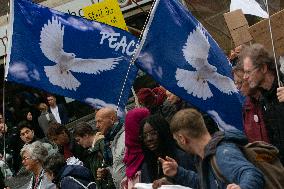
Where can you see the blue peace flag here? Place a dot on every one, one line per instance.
(70, 56)
(181, 55)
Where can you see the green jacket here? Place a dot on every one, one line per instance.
(95, 161)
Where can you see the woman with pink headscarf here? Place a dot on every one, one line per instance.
(133, 157)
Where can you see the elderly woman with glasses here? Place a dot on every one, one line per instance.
(33, 156)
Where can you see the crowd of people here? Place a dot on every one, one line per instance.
(167, 141)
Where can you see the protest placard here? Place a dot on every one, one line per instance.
(108, 12)
(261, 33)
(238, 27)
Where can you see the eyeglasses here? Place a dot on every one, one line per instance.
(26, 158)
(249, 72)
(151, 134)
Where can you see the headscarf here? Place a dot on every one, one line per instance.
(133, 157)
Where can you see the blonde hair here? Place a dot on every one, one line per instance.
(42, 107)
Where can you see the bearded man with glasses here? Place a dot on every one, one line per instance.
(260, 72)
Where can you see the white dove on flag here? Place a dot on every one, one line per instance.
(98, 103)
(195, 51)
(51, 44)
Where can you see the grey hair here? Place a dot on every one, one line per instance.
(37, 151)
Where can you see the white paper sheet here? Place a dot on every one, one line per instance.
(248, 7)
(149, 186)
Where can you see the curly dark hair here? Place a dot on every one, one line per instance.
(24, 124)
(167, 146)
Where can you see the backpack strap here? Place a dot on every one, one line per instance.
(77, 181)
(216, 170)
(90, 184)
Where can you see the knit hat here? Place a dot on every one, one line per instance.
(160, 93)
(146, 97)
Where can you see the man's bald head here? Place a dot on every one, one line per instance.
(106, 112)
(105, 119)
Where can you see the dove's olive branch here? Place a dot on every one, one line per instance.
(141, 39)
(272, 43)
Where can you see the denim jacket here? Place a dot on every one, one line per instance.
(231, 162)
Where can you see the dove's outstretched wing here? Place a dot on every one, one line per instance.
(98, 103)
(62, 79)
(196, 48)
(223, 83)
(51, 39)
(94, 66)
(195, 52)
(190, 81)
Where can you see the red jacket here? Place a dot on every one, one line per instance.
(254, 126)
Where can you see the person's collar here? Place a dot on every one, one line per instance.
(96, 138)
(114, 130)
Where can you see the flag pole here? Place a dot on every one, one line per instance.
(145, 30)
(138, 49)
(5, 42)
(272, 43)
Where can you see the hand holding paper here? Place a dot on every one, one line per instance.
(162, 181)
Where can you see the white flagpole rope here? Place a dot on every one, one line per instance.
(123, 86)
(135, 98)
(272, 43)
(145, 30)
(142, 38)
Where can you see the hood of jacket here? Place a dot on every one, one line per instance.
(231, 136)
(76, 171)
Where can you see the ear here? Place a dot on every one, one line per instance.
(113, 119)
(264, 68)
(183, 139)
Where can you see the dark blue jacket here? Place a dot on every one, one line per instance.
(183, 159)
(231, 162)
(78, 172)
(63, 114)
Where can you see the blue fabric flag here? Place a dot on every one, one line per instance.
(181, 55)
(70, 56)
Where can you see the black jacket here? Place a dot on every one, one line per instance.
(63, 114)
(273, 115)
